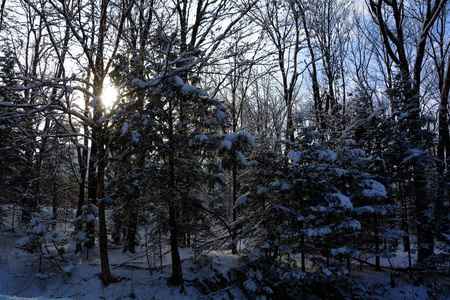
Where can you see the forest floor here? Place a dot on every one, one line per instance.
(79, 279)
(208, 275)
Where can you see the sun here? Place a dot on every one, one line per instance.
(109, 95)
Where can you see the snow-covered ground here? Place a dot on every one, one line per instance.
(19, 275)
(79, 279)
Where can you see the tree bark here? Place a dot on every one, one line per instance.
(318, 105)
(177, 273)
(106, 276)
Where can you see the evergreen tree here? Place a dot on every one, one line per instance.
(171, 143)
(17, 141)
(257, 204)
(314, 205)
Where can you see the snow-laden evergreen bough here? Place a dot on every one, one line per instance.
(314, 210)
(43, 239)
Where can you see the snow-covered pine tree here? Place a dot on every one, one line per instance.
(177, 135)
(132, 147)
(369, 128)
(41, 239)
(188, 123)
(257, 218)
(18, 139)
(85, 234)
(12, 164)
(320, 206)
(361, 179)
(311, 207)
(407, 152)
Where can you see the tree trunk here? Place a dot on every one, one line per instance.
(130, 241)
(318, 106)
(92, 188)
(303, 251)
(377, 244)
(425, 235)
(106, 276)
(177, 273)
(405, 220)
(234, 235)
(55, 200)
(81, 199)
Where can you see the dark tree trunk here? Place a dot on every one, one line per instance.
(234, 235)
(81, 199)
(117, 232)
(130, 241)
(55, 200)
(318, 105)
(425, 236)
(177, 272)
(377, 243)
(106, 276)
(92, 188)
(303, 251)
